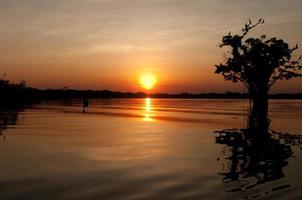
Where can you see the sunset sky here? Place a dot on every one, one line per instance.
(109, 44)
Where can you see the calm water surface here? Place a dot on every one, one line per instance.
(143, 149)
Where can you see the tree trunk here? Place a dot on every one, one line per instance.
(258, 117)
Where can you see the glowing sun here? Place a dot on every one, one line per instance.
(148, 81)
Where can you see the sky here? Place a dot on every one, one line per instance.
(109, 44)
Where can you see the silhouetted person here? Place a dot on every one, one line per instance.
(85, 104)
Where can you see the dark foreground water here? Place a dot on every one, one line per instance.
(145, 149)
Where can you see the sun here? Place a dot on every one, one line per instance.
(148, 81)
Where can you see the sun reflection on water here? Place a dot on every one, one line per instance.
(148, 110)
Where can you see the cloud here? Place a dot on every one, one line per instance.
(173, 31)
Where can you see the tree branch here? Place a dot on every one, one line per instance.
(248, 26)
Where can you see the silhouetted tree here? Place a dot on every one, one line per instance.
(258, 63)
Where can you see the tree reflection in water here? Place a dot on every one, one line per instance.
(256, 156)
(8, 117)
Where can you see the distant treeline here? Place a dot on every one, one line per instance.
(11, 93)
(70, 93)
(20, 93)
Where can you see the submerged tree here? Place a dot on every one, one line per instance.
(254, 164)
(258, 63)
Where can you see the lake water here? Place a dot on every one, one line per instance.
(144, 149)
